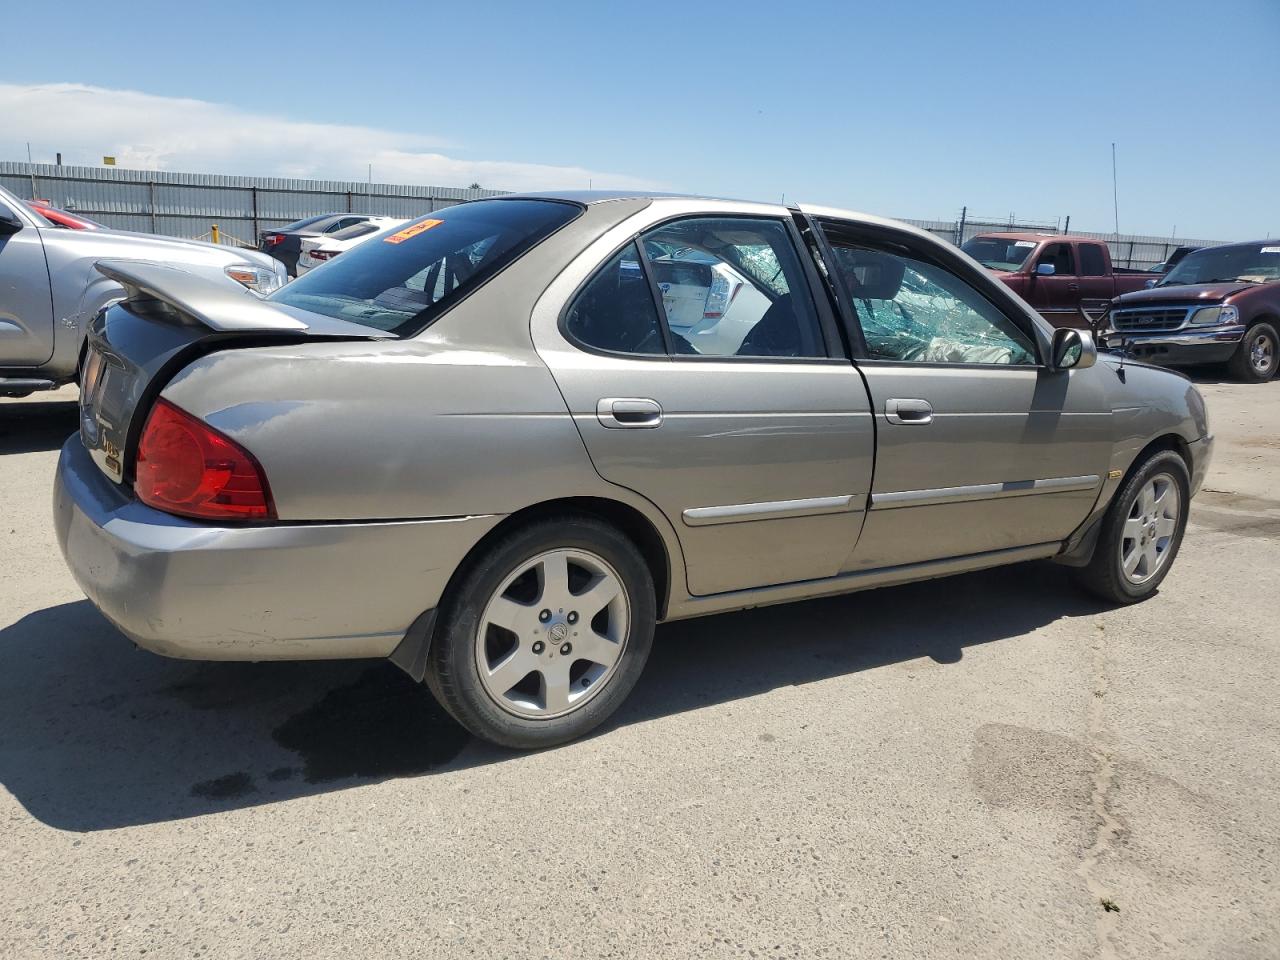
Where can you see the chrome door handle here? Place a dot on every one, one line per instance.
(633, 413)
(908, 412)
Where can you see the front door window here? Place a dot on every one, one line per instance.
(913, 311)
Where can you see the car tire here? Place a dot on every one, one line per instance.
(509, 609)
(1141, 532)
(1258, 356)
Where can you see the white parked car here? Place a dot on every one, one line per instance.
(708, 302)
(323, 248)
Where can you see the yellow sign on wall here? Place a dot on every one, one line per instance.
(109, 161)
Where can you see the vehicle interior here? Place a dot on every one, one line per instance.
(910, 310)
(616, 311)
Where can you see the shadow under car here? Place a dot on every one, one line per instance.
(96, 735)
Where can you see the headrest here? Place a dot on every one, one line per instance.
(870, 275)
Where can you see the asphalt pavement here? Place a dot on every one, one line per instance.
(993, 765)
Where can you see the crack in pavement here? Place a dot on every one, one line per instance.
(1107, 827)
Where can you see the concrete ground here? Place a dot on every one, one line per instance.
(987, 766)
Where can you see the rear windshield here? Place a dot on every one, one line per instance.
(357, 230)
(998, 253)
(300, 224)
(401, 281)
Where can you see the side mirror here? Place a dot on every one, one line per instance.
(1148, 285)
(1046, 269)
(1073, 349)
(9, 222)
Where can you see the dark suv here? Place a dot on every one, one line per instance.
(1219, 305)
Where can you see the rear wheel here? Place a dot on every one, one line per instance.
(1258, 355)
(1141, 533)
(543, 636)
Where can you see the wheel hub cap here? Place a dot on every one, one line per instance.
(1261, 353)
(1150, 529)
(551, 636)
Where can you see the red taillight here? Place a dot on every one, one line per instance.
(188, 468)
(323, 254)
(273, 238)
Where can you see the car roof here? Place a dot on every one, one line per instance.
(588, 197)
(1241, 244)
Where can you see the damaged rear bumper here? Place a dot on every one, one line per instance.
(287, 591)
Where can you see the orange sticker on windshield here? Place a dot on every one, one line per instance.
(420, 227)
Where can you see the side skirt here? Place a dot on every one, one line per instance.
(860, 580)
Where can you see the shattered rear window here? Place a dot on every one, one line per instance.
(401, 281)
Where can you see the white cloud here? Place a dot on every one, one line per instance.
(151, 132)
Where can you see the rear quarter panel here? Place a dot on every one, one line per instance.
(390, 429)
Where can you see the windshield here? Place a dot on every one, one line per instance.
(401, 281)
(1247, 262)
(999, 253)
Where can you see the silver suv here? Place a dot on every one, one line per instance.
(49, 290)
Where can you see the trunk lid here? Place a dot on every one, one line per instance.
(167, 319)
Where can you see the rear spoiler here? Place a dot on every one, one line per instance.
(222, 306)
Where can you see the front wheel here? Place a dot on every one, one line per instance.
(1258, 355)
(1142, 531)
(544, 635)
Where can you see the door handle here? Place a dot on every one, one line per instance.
(1073, 286)
(908, 412)
(632, 413)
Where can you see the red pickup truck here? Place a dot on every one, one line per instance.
(1056, 273)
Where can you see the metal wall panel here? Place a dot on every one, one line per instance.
(188, 204)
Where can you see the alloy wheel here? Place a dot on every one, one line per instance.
(553, 634)
(1262, 354)
(1150, 528)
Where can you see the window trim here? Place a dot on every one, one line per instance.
(833, 349)
(884, 239)
(852, 330)
(1072, 252)
(646, 268)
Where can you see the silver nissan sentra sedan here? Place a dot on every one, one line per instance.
(478, 444)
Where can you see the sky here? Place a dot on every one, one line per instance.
(913, 108)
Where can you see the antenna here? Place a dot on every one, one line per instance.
(1115, 189)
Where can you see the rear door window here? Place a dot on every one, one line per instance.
(402, 281)
(733, 287)
(1092, 262)
(615, 311)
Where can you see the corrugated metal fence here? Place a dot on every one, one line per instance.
(189, 204)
